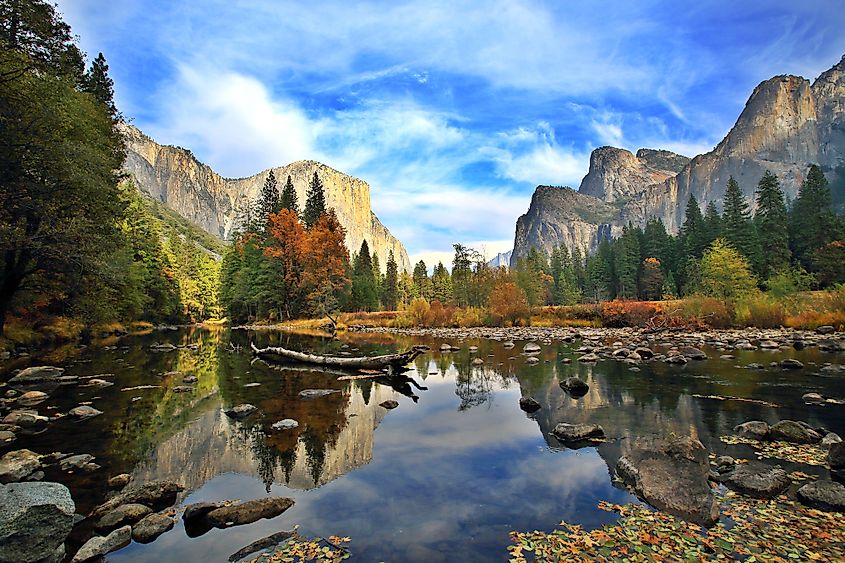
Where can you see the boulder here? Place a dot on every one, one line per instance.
(830, 438)
(389, 404)
(794, 432)
(812, 399)
(35, 519)
(37, 377)
(823, 495)
(757, 480)
(32, 398)
(671, 474)
(152, 526)
(644, 353)
(825, 329)
(81, 462)
(241, 411)
(26, 419)
(754, 429)
(6, 437)
(529, 404)
(725, 463)
(575, 387)
(693, 353)
(285, 424)
(531, 348)
(791, 363)
(119, 481)
(99, 546)
(589, 357)
(84, 412)
(573, 434)
(196, 511)
(17, 465)
(836, 455)
(247, 512)
(122, 515)
(831, 346)
(677, 359)
(155, 494)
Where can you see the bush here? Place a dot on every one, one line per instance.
(708, 311)
(416, 315)
(761, 311)
(811, 320)
(439, 315)
(616, 314)
(470, 317)
(508, 305)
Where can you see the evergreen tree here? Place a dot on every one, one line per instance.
(626, 261)
(461, 275)
(422, 285)
(600, 273)
(441, 284)
(378, 277)
(657, 243)
(712, 223)
(772, 222)
(99, 84)
(268, 201)
(315, 202)
(651, 280)
(579, 269)
(565, 285)
(288, 199)
(693, 231)
(739, 230)
(364, 295)
(813, 223)
(390, 290)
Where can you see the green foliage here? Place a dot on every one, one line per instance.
(788, 282)
(725, 273)
(315, 201)
(269, 200)
(390, 289)
(99, 84)
(364, 289)
(626, 262)
(772, 221)
(738, 229)
(441, 284)
(288, 198)
(812, 222)
(693, 231)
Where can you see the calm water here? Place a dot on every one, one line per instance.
(445, 476)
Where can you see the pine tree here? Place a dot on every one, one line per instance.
(739, 230)
(390, 289)
(579, 269)
(693, 231)
(712, 223)
(315, 202)
(626, 261)
(600, 273)
(288, 199)
(99, 84)
(813, 223)
(441, 284)
(772, 221)
(364, 295)
(268, 200)
(422, 285)
(657, 243)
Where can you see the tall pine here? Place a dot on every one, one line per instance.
(693, 231)
(390, 288)
(99, 84)
(772, 222)
(813, 223)
(288, 199)
(268, 200)
(738, 229)
(315, 202)
(364, 294)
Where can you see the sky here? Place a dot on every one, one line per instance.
(452, 111)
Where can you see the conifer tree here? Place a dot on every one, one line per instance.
(364, 295)
(712, 223)
(99, 84)
(315, 202)
(422, 284)
(626, 261)
(739, 231)
(441, 284)
(268, 200)
(390, 288)
(288, 199)
(813, 223)
(578, 269)
(772, 222)
(693, 231)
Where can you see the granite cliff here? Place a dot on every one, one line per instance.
(174, 177)
(787, 124)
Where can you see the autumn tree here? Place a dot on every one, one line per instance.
(508, 304)
(324, 272)
(725, 273)
(287, 247)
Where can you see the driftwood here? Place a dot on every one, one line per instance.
(391, 361)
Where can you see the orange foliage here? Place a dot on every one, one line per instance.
(616, 314)
(324, 271)
(508, 304)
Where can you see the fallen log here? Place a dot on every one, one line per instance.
(394, 361)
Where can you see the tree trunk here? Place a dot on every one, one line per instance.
(372, 362)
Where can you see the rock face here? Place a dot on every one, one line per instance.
(671, 475)
(786, 125)
(173, 176)
(35, 519)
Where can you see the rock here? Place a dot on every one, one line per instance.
(81, 462)
(825, 329)
(575, 387)
(445, 347)
(529, 404)
(508, 344)
(36, 376)
(676, 359)
(285, 424)
(6, 437)
(829, 439)
(794, 432)
(98, 383)
(725, 462)
(84, 412)
(754, 429)
(754, 365)
(590, 357)
(812, 398)
(98, 546)
(32, 398)
(151, 527)
(35, 520)
(473, 349)
(672, 476)
(532, 360)
(769, 345)
(183, 389)
(27, 419)
(17, 465)
(119, 481)
(198, 510)
(241, 411)
(836, 455)
(757, 480)
(574, 433)
(478, 362)
(122, 515)
(389, 404)
(531, 348)
(645, 353)
(823, 495)
(316, 393)
(693, 353)
(190, 379)
(831, 346)
(253, 384)
(791, 363)
(155, 494)
(247, 512)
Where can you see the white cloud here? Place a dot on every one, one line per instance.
(488, 249)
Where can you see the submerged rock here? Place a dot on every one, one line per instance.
(155, 494)
(122, 515)
(37, 377)
(575, 387)
(823, 495)
(241, 411)
(99, 546)
(671, 475)
(35, 520)
(573, 434)
(529, 404)
(791, 363)
(151, 527)
(757, 480)
(247, 512)
(693, 353)
(26, 419)
(84, 412)
(794, 432)
(316, 393)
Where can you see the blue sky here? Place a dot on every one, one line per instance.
(452, 111)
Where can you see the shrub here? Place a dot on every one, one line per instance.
(470, 317)
(761, 311)
(508, 305)
(439, 315)
(709, 311)
(615, 314)
(813, 319)
(415, 315)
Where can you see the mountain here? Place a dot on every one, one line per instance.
(501, 259)
(787, 124)
(174, 177)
